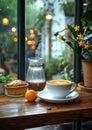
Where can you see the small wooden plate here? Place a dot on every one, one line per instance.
(84, 88)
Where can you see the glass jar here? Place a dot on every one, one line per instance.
(36, 74)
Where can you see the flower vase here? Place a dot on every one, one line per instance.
(87, 73)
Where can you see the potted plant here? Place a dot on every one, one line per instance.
(83, 41)
(3, 81)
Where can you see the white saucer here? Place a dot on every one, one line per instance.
(45, 95)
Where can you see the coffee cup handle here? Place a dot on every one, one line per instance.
(74, 87)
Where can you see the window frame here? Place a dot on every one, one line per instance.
(77, 60)
(21, 39)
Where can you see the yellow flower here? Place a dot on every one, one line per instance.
(86, 47)
(65, 27)
(77, 28)
(81, 43)
(60, 36)
(80, 36)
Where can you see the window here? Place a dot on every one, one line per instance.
(32, 31)
(42, 20)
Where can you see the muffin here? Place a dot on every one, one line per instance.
(16, 87)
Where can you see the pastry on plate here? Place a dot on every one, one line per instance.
(16, 87)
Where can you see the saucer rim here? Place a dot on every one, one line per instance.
(57, 100)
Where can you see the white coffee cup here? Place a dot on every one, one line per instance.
(60, 88)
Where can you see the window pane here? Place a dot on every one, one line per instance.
(8, 37)
(40, 38)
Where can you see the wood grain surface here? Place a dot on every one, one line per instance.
(18, 114)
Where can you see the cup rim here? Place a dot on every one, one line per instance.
(55, 84)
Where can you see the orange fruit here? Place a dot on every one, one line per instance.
(31, 95)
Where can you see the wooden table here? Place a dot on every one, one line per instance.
(18, 114)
